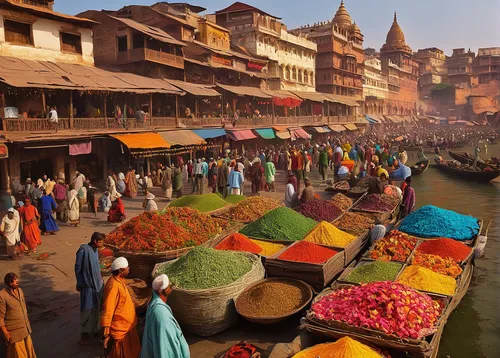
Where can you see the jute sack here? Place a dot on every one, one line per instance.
(208, 312)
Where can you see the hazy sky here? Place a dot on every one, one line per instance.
(446, 24)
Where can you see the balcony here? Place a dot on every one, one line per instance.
(146, 54)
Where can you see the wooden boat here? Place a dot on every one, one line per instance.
(464, 158)
(483, 177)
(420, 168)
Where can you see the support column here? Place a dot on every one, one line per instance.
(44, 105)
(272, 108)
(71, 119)
(2, 113)
(104, 159)
(5, 174)
(151, 109)
(106, 110)
(177, 122)
(196, 109)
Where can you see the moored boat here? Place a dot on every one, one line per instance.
(483, 176)
(420, 167)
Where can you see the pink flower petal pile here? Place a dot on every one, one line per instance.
(387, 306)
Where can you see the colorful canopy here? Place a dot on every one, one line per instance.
(243, 134)
(299, 133)
(351, 127)
(337, 128)
(145, 144)
(182, 138)
(266, 133)
(210, 132)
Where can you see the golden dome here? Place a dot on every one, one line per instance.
(355, 28)
(395, 38)
(342, 17)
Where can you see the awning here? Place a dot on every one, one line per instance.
(182, 138)
(337, 128)
(370, 120)
(351, 127)
(280, 94)
(283, 135)
(244, 91)
(373, 118)
(312, 96)
(244, 134)
(266, 133)
(297, 133)
(322, 129)
(210, 132)
(345, 100)
(143, 143)
(195, 89)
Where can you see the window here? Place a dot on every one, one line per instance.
(138, 41)
(71, 43)
(122, 43)
(18, 33)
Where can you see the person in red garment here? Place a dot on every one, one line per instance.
(29, 216)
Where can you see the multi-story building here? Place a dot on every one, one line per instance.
(375, 86)
(432, 69)
(486, 66)
(339, 63)
(292, 58)
(399, 65)
(459, 67)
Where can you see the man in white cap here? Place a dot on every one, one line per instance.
(162, 337)
(118, 318)
(150, 206)
(9, 229)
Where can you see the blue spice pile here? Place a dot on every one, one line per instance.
(431, 221)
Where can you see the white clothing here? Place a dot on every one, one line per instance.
(290, 195)
(403, 157)
(78, 182)
(53, 118)
(151, 206)
(235, 191)
(241, 167)
(111, 187)
(168, 193)
(149, 182)
(74, 206)
(10, 229)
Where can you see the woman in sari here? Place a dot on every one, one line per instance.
(117, 212)
(47, 206)
(131, 184)
(73, 208)
(29, 215)
(120, 183)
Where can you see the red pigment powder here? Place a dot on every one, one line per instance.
(445, 248)
(304, 251)
(239, 242)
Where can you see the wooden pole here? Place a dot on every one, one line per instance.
(4, 122)
(196, 108)
(71, 119)
(151, 109)
(272, 108)
(44, 105)
(106, 110)
(177, 122)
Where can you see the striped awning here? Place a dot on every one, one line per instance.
(266, 133)
(145, 144)
(299, 133)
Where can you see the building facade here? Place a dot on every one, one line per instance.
(459, 67)
(486, 66)
(432, 69)
(339, 63)
(375, 87)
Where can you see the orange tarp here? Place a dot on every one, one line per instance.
(146, 140)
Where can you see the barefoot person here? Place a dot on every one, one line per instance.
(90, 284)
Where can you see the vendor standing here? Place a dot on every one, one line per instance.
(9, 229)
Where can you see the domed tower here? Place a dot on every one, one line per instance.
(395, 47)
(342, 17)
(355, 34)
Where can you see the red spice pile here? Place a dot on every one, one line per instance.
(238, 242)
(308, 252)
(445, 248)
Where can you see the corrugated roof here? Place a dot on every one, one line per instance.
(154, 32)
(182, 138)
(195, 89)
(311, 96)
(281, 94)
(348, 101)
(244, 91)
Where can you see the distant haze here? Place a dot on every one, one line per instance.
(445, 24)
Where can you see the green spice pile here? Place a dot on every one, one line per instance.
(283, 224)
(204, 268)
(271, 299)
(374, 272)
(232, 199)
(203, 203)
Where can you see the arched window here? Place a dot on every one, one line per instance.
(306, 77)
(300, 78)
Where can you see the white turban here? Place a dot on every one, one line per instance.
(161, 283)
(119, 263)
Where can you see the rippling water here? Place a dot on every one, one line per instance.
(473, 329)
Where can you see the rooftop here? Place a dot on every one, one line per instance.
(241, 7)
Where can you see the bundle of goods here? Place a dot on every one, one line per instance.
(375, 203)
(374, 272)
(275, 297)
(233, 199)
(281, 224)
(342, 185)
(140, 293)
(206, 282)
(345, 347)
(342, 202)
(307, 252)
(396, 246)
(390, 199)
(431, 221)
(319, 210)
(378, 218)
(242, 350)
(424, 279)
(353, 222)
(204, 203)
(238, 242)
(251, 209)
(389, 307)
(327, 234)
(445, 248)
(444, 266)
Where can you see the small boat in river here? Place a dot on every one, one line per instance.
(420, 167)
(477, 176)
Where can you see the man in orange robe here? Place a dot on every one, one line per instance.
(118, 318)
(29, 215)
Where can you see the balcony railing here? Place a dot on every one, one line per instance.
(146, 54)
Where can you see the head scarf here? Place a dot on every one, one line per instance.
(119, 263)
(161, 283)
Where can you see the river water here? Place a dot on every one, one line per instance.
(473, 329)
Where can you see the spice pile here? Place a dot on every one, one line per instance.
(387, 306)
(251, 209)
(203, 203)
(232, 199)
(203, 268)
(271, 299)
(281, 224)
(375, 202)
(355, 223)
(342, 185)
(424, 279)
(319, 210)
(437, 264)
(154, 233)
(201, 226)
(238, 242)
(431, 221)
(342, 202)
(327, 234)
(374, 272)
(268, 248)
(345, 347)
(445, 248)
(396, 246)
(390, 199)
(307, 252)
